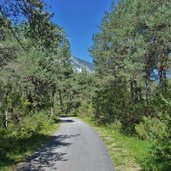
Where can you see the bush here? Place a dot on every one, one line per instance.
(55, 119)
(162, 149)
(117, 125)
(160, 129)
(110, 101)
(151, 128)
(86, 109)
(21, 139)
(162, 153)
(29, 125)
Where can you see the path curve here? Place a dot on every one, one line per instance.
(75, 147)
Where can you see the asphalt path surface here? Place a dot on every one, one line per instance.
(74, 147)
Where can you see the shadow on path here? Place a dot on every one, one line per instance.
(68, 120)
(48, 155)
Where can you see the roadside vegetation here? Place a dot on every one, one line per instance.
(132, 54)
(35, 78)
(19, 142)
(37, 81)
(128, 153)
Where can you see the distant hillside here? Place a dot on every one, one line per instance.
(80, 65)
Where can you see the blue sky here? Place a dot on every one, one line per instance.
(80, 20)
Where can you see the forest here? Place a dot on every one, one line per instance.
(130, 89)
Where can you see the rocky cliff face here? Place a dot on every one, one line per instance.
(81, 65)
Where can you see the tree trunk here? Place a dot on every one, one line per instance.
(53, 105)
(162, 79)
(148, 84)
(69, 104)
(148, 90)
(5, 122)
(61, 102)
(163, 70)
(134, 92)
(52, 111)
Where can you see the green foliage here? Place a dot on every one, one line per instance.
(128, 153)
(162, 148)
(36, 75)
(128, 56)
(86, 109)
(109, 100)
(117, 125)
(162, 151)
(19, 141)
(151, 128)
(134, 39)
(30, 125)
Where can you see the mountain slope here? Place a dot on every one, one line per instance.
(81, 65)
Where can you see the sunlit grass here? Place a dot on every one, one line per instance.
(128, 153)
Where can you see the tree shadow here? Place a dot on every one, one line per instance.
(64, 119)
(48, 155)
(67, 121)
(11, 147)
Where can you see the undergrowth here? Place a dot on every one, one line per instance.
(20, 141)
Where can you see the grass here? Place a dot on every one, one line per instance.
(128, 153)
(15, 149)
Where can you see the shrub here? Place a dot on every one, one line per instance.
(29, 125)
(151, 128)
(55, 119)
(162, 149)
(162, 153)
(160, 128)
(86, 109)
(117, 125)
